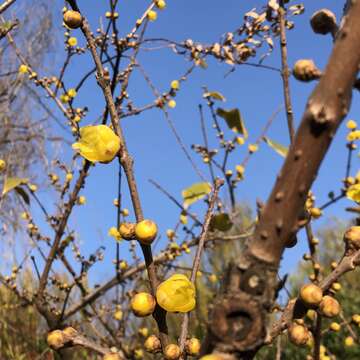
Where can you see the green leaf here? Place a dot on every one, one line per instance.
(221, 222)
(233, 120)
(195, 192)
(280, 149)
(215, 95)
(13, 182)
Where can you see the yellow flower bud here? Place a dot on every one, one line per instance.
(351, 124)
(311, 295)
(72, 41)
(192, 346)
(127, 230)
(329, 306)
(172, 352)
(142, 304)
(143, 331)
(171, 103)
(334, 326)
(72, 93)
(253, 148)
(152, 344)
(81, 200)
(72, 19)
(161, 4)
(23, 69)
(349, 341)
(298, 334)
(152, 15)
(146, 231)
(118, 315)
(176, 294)
(175, 85)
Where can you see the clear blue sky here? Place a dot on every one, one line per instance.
(256, 92)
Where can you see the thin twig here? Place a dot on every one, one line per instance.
(285, 73)
(196, 264)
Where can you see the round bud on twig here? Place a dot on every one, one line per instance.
(323, 22)
(329, 306)
(311, 295)
(73, 19)
(152, 344)
(298, 334)
(306, 70)
(352, 238)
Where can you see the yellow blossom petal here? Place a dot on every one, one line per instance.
(97, 143)
(353, 192)
(176, 294)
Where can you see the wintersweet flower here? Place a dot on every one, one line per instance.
(97, 143)
(353, 192)
(176, 294)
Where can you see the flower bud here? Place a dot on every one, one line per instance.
(352, 238)
(152, 344)
(72, 19)
(298, 334)
(192, 346)
(143, 304)
(127, 230)
(172, 352)
(306, 70)
(311, 295)
(329, 306)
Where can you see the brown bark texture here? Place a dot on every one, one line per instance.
(238, 323)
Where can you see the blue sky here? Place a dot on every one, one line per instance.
(256, 92)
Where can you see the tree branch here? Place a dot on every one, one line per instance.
(238, 321)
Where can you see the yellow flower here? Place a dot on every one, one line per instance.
(97, 143)
(72, 93)
(353, 192)
(176, 294)
(351, 124)
(23, 69)
(64, 98)
(353, 135)
(152, 15)
(171, 104)
(114, 232)
(252, 148)
(72, 41)
(175, 85)
(349, 341)
(240, 140)
(81, 200)
(161, 4)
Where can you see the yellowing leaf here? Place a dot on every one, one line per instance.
(215, 95)
(353, 192)
(176, 294)
(11, 183)
(195, 192)
(221, 222)
(233, 120)
(97, 143)
(280, 149)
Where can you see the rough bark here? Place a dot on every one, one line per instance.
(238, 323)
